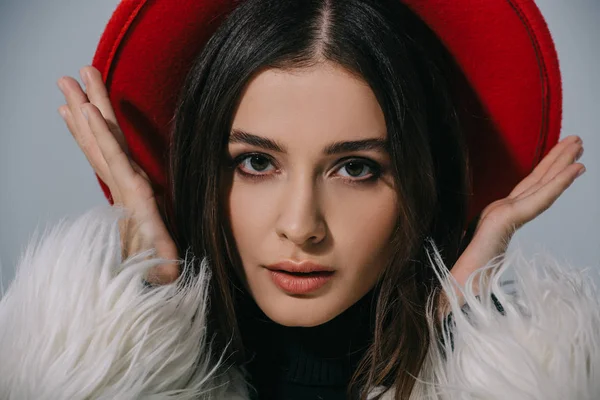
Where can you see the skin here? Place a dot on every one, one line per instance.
(305, 210)
(306, 204)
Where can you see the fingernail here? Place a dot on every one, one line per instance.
(581, 171)
(60, 84)
(85, 114)
(62, 112)
(579, 154)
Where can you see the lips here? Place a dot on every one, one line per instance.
(302, 267)
(300, 278)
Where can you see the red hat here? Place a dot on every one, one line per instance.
(503, 48)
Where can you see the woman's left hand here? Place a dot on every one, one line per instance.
(531, 197)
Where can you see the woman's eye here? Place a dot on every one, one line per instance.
(255, 164)
(357, 169)
(261, 166)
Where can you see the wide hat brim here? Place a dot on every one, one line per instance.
(510, 102)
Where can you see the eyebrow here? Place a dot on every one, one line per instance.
(378, 144)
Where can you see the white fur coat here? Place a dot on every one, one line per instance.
(78, 323)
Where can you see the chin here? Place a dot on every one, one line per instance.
(292, 311)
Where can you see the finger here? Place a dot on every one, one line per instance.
(98, 96)
(87, 145)
(79, 126)
(569, 156)
(117, 161)
(541, 169)
(541, 199)
(67, 116)
(96, 91)
(74, 97)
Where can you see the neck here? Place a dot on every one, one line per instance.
(325, 355)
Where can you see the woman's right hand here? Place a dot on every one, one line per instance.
(91, 120)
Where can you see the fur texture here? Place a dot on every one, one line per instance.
(78, 323)
(543, 344)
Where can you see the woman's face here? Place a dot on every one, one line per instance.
(312, 186)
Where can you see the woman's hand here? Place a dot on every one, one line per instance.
(532, 196)
(91, 120)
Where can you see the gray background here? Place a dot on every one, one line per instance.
(44, 176)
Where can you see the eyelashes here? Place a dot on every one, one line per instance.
(352, 170)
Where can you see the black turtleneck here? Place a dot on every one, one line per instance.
(295, 363)
(289, 363)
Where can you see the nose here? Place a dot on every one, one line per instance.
(300, 219)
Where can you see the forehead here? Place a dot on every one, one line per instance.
(317, 105)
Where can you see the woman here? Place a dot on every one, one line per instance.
(319, 170)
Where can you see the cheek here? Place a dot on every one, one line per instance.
(250, 213)
(362, 224)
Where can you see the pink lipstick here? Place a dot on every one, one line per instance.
(299, 278)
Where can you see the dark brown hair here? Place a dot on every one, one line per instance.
(391, 49)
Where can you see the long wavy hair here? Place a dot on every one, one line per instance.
(387, 46)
